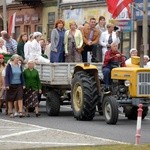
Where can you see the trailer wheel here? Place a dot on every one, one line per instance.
(132, 112)
(84, 96)
(52, 103)
(110, 109)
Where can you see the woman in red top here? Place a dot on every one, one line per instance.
(113, 58)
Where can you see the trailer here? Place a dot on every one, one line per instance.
(56, 81)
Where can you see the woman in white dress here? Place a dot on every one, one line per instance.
(35, 51)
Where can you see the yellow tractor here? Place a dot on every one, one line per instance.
(130, 87)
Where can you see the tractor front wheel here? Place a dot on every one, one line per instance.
(110, 109)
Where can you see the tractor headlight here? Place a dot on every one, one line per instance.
(127, 83)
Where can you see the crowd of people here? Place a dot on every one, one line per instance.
(20, 87)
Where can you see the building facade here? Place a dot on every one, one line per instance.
(27, 19)
(41, 17)
(50, 14)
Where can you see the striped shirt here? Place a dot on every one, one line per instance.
(11, 46)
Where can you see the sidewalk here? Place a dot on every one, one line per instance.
(15, 135)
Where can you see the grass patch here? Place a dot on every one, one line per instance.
(107, 147)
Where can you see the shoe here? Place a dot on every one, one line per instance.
(37, 115)
(11, 115)
(15, 114)
(106, 91)
(20, 115)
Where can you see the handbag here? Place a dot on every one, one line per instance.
(79, 50)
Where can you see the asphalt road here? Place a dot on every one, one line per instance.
(123, 131)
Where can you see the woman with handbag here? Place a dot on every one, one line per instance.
(73, 44)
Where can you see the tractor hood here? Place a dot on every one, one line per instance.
(127, 73)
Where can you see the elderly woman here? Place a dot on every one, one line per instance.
(33, 88)
(146, 61)
(108, 37)
(14, 82)
(35, 51)
(57, 42)
(73, 43)
(3, 49)
(133, 52)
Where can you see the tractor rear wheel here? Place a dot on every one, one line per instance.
(132, 112)
(110, 109)
(84, 96)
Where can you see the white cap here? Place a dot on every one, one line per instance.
(3, 32)
(37, 34)
(146, 56)
(132, 49)
(30, 61)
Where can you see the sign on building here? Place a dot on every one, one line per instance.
(124, 25)
(138, 13)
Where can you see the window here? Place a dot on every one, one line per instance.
(38, 28)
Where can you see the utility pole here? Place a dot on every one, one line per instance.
(132, 24)
(144, 48)
(145, 26)
(4, 16)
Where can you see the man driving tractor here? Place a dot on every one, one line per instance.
(113, 58)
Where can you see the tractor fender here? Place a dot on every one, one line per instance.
(85, 67)
(92, 69)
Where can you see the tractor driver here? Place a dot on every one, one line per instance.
(113, 58)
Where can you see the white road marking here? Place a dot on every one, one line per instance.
(10, 121)
(52, 129)
(20, 133)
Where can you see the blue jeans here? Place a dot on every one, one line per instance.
(107, 76)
